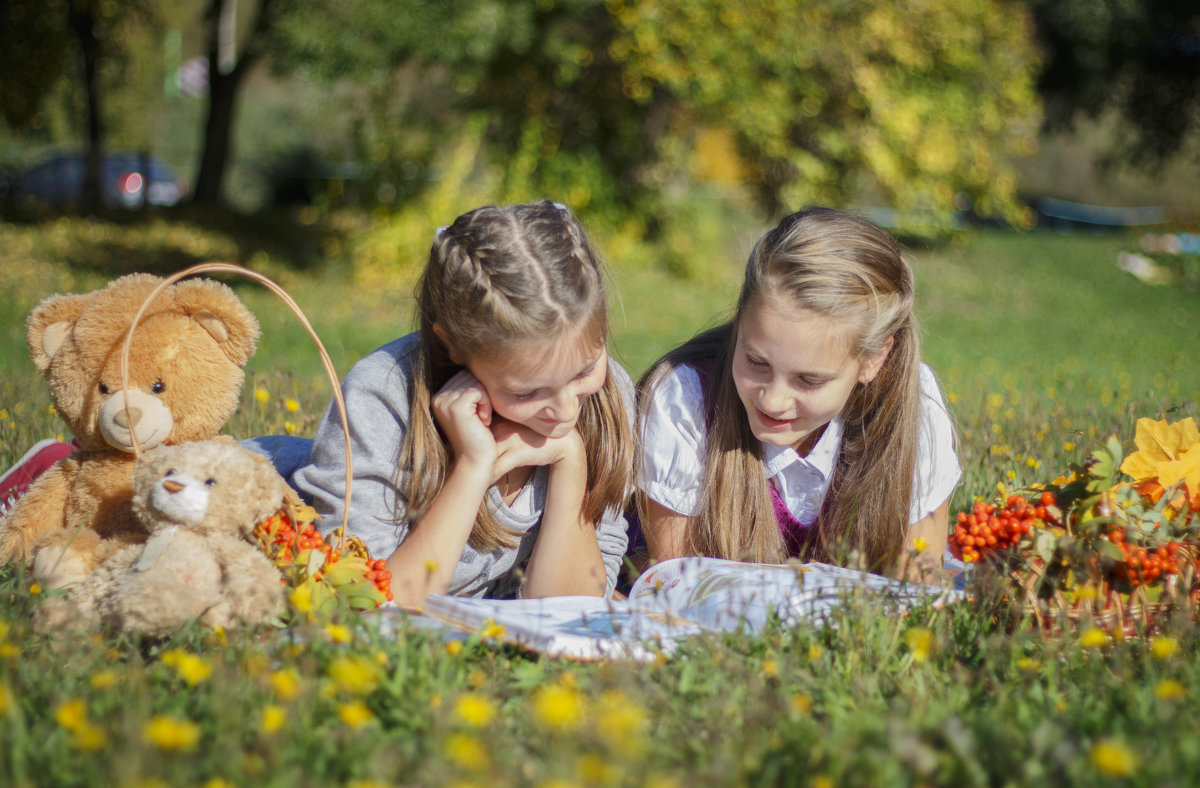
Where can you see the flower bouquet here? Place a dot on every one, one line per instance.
(322, 572)
(1116, 542)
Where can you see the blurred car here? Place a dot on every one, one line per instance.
(128, 180)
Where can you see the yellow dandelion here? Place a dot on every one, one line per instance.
(338, 633)
(218, 782)
(474, 710)
(822, 781)
(35, 589)
(1029, 664)
(815, 652)
(491, 630)
(192, 668)
(770, 668)
(171, 733)
(381, 659)
(596, 770)
(1032, 463)
(354, 675)
(558, 707)
(1113, 758)
(661, 781)
(53, 411)
(1068, 446)
(1087, 593)
(620, 721)
(286, 684)
(9, 650)
(466, 750)
(355, 714)
(1093, 638)
(477, 679)
(435, 701)
(1164, 647)
(454, 648)
(71, 714)
(801, 703)
(920, 642)
(1170, 689)
(920, 545)
(302, 598)
(89, 737)
(6, 699)
(291, 405)
(367, 784)
(290, 428)
(568, 679)
(273, 719)
(3, 630)
(261, 395)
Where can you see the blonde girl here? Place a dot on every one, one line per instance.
(492, 447)
(808, 425)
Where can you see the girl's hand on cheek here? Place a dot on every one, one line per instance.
(518, 446)
(464, 412)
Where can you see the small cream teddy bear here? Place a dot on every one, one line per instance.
(200, 503)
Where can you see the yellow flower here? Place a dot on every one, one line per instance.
(217, 782)
(920, 545)
(354, 675)
(454, 648)
(1167, 454)
(89, 737)
(355, 714)
(474, 710)
(1093, 638)
(620, 721)
(477, 679)
(435, 701)
(822, 781)
(920, 642)
(558, 707)
(1068, 446)
(1029, 664)
(1170, 689)
(338, 633)
(801, 703)
(492, 630)
(191, 668)
(291, 405)
(290, 428)
(6, 699)
(71, 714)
(301, 598)
(814, 652)
(262, 395)
(1164, 647)
(595, 770)
(466, 750)
(273, 718)
(9, 650)
(770, 668)
(35, 589)
(1113, 758)
(171, 733)
(286, 684)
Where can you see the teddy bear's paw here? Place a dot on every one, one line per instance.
(57, 567)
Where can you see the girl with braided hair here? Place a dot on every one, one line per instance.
(807, 426)
(492, 448)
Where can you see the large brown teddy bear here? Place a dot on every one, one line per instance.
(185, 377)
(200, 503)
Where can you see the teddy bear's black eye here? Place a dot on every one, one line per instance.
(103, 389)
(211, 482)
(159, 387)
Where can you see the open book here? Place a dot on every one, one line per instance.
(671, 601)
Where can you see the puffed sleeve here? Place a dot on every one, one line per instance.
(376, 395)
(938, 470)
(673, 441)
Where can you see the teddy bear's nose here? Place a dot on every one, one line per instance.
(135, 414)
(170, 486)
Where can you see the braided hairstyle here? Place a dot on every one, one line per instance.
(499, 279)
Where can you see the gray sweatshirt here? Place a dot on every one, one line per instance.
(377, 404)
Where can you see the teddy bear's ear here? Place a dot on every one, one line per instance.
(50, 323)
(219, 312)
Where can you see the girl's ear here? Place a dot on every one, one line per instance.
(872, 364)
(440, 332)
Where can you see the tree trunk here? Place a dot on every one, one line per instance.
(223, 90)
(82, 22)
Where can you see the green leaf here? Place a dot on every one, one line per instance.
(1110, 550)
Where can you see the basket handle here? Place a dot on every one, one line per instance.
(230, 268)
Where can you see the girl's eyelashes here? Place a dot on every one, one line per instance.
(755, 362)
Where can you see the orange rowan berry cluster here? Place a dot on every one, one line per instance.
(1144, 566)
(283, 539)
(988, 529)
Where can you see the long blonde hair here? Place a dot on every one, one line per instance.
(497, 279)
(844, 268)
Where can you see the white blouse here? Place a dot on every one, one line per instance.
(673, 444)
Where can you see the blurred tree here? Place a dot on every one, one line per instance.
(1139, 57)
(924, 101)
(33, 36)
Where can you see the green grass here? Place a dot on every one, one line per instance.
(1045, 349)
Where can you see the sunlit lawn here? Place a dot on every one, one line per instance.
(1044, 348)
